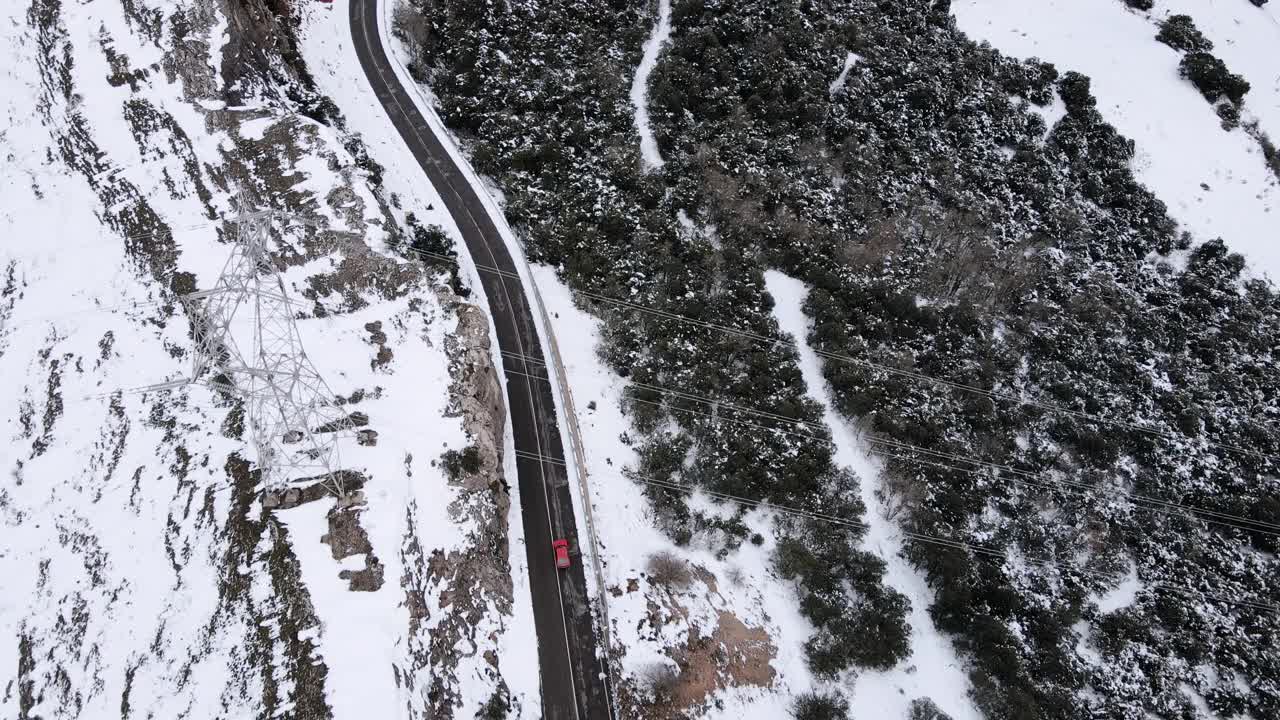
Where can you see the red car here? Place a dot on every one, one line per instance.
(561, 548)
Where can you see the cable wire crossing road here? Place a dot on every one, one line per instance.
(573, 675)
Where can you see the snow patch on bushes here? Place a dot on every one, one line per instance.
(849, 61)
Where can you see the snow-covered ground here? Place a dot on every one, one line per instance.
(362, 633)
(850, 59)
(330, 54)
(1215, 182)
(933, 669)
(141, 571)
(1247, 39)
(743, 584)
(649, 152)
(91, 577)
(1122, 595)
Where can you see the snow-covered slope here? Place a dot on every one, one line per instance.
(1246, 38)
(1215, 182)
(143, 576)
(326, 45)
(940, 237)
(933, 669)
(649, 152)
(736, 600)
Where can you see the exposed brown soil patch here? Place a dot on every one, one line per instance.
(735, 655)
(726, 655)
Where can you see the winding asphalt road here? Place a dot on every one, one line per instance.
(573, 678)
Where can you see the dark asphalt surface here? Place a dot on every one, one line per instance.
(572, 680)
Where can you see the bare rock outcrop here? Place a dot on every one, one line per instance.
(467, 584)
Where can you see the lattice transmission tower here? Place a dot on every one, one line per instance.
(247, 345)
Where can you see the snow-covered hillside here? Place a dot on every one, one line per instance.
(1005, 282)
(143, 576)
(663, 612)
(1216, 182)
(935, 670)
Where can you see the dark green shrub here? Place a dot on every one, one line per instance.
(1211, 77)
(882, 628)
(815, 705)
(792, 557)
(1180, 33)
(1230, 115)
(1269, 151)
(1075, 93)
(1032, 79)
(497, 707)
(353, 144)
(430, 239)
(456, 464)
(926, 709)
(433, 247)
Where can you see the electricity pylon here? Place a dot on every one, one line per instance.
(247, 345)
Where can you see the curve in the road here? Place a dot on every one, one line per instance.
(573, 678)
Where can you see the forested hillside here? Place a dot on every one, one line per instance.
(1060, 380)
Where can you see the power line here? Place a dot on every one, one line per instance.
(1138, 499)
(1034, 479)
(774, 340)
(198, 295)
(523, 358)
(455, 260)
(996, 394)
(1160, 506)
(120, 391)
(1087, 487)
(138, 390)
(290, 410)
(745, 423)
(1077, 488)
(631, 382)
(918, 537)
(911, 535)
(686, 410)
(169, 232)
(1192, 513)
(39, 319)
